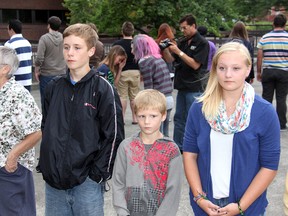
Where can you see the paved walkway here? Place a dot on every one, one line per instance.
(275, 191)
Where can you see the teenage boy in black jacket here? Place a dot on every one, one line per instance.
(82, 128)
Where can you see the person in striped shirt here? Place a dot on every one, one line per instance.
(154, 71)
(272, 66)
(24, 52)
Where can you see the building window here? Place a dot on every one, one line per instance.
(31, 16)
(25, 16)
(58, 13)
(41, 16)
(8, 14)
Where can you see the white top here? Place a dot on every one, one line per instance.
(221, 159)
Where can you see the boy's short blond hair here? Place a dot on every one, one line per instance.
(84, 31)
(150, 99)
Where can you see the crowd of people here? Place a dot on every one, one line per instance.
(226, 138)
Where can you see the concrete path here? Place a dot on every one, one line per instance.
(275, 191)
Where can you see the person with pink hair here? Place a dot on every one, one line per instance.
(143, 46)
(154, 71)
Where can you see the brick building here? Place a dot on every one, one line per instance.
(32, 13)
(274, 11)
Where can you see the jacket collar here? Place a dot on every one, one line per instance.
(88, 76)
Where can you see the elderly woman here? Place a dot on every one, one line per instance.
(20, 123)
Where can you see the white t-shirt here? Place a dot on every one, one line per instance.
(221, 159)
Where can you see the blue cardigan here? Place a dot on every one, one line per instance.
(255, 147)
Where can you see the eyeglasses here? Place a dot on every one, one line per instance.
(183, 28)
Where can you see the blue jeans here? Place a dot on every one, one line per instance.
(44, 80)
(184, 101)
(225, 201)
(82, 200)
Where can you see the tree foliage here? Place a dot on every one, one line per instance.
(82, 10)
(254, 9)
(217, 15)
(141, 12)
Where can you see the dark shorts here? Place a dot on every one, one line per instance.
(17, 192)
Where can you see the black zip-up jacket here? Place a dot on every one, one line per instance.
(82, 128)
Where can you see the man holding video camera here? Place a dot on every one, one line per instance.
(190, 57)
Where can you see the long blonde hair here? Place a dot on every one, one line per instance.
(212, 95)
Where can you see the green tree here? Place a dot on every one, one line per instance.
(141, 12)
(216, 15)
(251, 9)
(82, 10)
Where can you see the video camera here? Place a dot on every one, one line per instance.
(165, 43)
